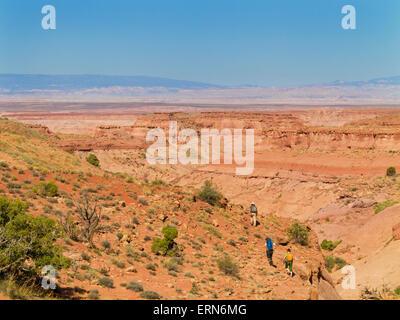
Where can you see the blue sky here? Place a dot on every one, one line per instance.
(269, 43)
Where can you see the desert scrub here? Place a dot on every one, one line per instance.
(383, 205)
(151, 267)
(150, 295)
(106, 244)
(331, 262)
(171, 265)
(35, 237)
(213, 231)
(119, 264)
(135, 286)
(228, 267)
(85, 256)
(106, 282)
(93, 160)
(330, 245)
(391, 171)
(232, 243)
(209, 194)
(46, 189)
(298, 234)
(166, 246)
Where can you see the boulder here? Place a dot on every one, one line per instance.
(302, 270)
(327, 277)
(131, 269)
(326, 291)
(363, 203)
(282, 240)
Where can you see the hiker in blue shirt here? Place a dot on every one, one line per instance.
(269, 244)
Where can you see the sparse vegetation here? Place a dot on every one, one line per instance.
(383, 205)
(228, 267)
(27, 238)
(135, 286)
(46, 189)
(106, 282)
(391, 171)
(209, 194)
(166, 246)
(151, 295)
(298, 234)
(93, 160)
(331, 262)
(329, 245)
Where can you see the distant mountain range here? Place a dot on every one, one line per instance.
(126, 88)
(20, 83)
(28, 83)
(378, 81)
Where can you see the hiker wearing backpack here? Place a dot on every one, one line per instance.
(289, 262)
(270, 250)
(253, 214)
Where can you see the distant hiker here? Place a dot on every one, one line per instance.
(253, 214)
(270, 250)
(289, 262)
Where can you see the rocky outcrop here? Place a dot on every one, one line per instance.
(331, 139)
(396, 232)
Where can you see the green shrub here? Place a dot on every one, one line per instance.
(135, 286)
(85, 256)
(298, 233)
(383, 205)
(151, 267)
(171, 265)
(329, 245)
(106, 244)
(232, 243)
(106, 282)
(228, 267)
(397, 291)
(150, 295)
(331, 262)
(209, 194)
(93, 160)
(391, 171)
(119, 264)
(46, 189)
(27, 238)
(166, 245)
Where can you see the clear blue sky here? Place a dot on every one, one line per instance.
(271, 43)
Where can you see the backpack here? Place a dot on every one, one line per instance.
(253, 209)
(269, 244)
(289, 256)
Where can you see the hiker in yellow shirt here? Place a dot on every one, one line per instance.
(289, 262)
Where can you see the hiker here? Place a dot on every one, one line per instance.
(270, 250)
(253, 214)
(289, 262)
